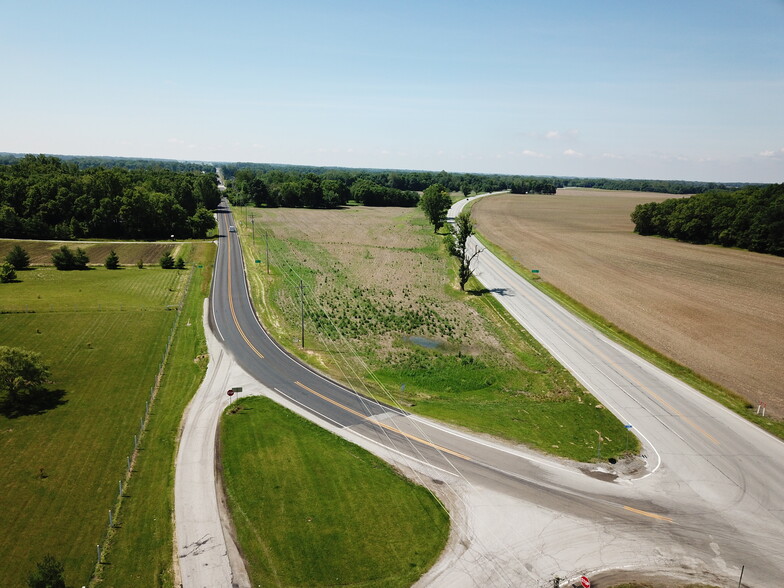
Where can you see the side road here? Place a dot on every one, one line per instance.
(205, 549)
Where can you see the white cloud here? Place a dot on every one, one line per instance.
(572, 153)
(772, 152)
(612, 156)
(529, 153)
(557, 135)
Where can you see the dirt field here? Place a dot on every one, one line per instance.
(718, 311)
(40, 252)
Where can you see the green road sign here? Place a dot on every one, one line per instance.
(258, 261)
(534, 271)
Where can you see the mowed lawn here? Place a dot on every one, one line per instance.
(59, 470)
(312, 509)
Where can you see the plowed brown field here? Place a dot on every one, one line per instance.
(717, 311)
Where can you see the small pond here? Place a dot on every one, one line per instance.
(424, 342)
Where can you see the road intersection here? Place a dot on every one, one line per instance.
(707, 501)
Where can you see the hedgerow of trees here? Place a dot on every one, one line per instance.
(321, 187)
(43, 197)
(751, 218)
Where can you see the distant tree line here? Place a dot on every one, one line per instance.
(43, 197)
(661, 186)
(750, 218)
(87, 161)
(324, 187)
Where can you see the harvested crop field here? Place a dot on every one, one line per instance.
(129, 253)
(717, 311)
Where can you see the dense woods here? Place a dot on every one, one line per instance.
(325, 187)
(751, 218)
(43, 197)
(661, 186)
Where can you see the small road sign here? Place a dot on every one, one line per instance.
(237, 389)
(585, 581)
(534, 271)
(230, 392)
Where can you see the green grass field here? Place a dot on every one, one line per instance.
(59, 470)
(314, 510)
(141, 549)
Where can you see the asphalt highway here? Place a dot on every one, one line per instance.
(710, 494)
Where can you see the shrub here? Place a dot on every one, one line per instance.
(7, 273)
(112, 261)
(66, 260)
(18, 258)
(167, 261)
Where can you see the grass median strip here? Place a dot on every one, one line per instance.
(314, 510)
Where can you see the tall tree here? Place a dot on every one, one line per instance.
(435, 201)
(464, 228)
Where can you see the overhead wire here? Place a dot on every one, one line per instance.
(339, 360)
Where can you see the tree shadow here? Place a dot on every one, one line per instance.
(483, 291)
(37, 403)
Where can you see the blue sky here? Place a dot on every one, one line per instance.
(669, 90)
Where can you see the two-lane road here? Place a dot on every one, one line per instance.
(713, 490)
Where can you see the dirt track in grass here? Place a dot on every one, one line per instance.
(717, 311)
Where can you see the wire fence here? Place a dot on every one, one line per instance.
(113, 519)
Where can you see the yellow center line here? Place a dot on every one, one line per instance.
(384, 425)
(231, 304)
(648, 514)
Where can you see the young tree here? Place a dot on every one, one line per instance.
(112, 261)
(22, 375)
(48, 574)
(464, 228)
(435, 201)
(167, 261)
(180, 263)
(18, 258)
(7, 273)
(64, 259)
(140, 264)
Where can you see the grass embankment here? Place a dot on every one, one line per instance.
(373, 278)
(103, 334)
(733, 401)
(314, 510)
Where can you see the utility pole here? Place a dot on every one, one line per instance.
(302, 312)
(266, 242)
(252, 230)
